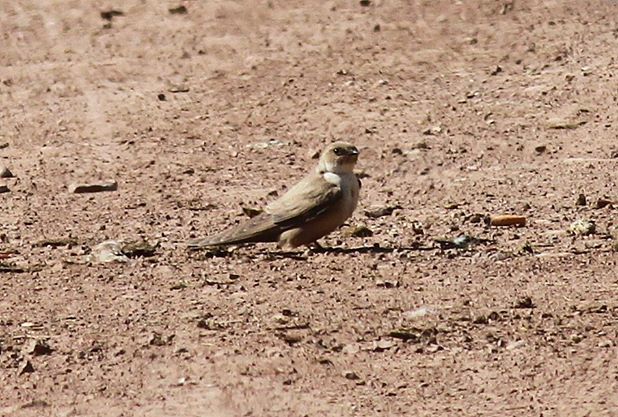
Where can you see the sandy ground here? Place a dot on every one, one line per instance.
(461, 109)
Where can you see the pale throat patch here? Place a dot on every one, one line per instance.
(332, 178)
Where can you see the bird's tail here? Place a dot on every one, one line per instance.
(258, 229)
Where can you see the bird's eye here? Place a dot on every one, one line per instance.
(338, 151)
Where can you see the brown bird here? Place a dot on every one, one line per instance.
(311, 209)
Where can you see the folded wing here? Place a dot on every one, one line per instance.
(302, 203)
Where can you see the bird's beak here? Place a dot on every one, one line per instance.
(353, 152)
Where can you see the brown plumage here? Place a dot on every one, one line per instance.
(313, 208)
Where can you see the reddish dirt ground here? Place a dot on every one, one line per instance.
(460, 110)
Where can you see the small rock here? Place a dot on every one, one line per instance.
(138, 249)
(271, 143)
(381, 211)
(38, 347)
(581, 200)
(460, 242)
(496, 70)
(382, 345)
(178, 89)
(591, 307)
(5, 172)
(4, 188)
(291, 338)
(435, 130)
(539, 149)
(161, 97)
(35, 404)
(108, 251)
(56, 242)
(559, 124)
(614, 154)
(405, 334)
(433, 348)
(351, 349)
(387, 284)
(351, 375)
(313, 153)
(525, 302)
(603, 202)
(212, 324)
(476, 218)
(178, 10)
(281, 319)
(515, 345)
(526, 248)
(251, 212)
(358, 231)
(93, 188)
(25, 368)
(582, 227)
(417, 227)
(156, 339)
(110, 14)
(4, 145)
(420, 145)
(418, 313)
(179, 286)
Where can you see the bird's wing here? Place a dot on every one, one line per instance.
(304, 202)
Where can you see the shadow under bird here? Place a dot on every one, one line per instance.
(311, 209)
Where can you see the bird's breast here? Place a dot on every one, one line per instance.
(348, 184)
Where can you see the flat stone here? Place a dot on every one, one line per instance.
(93, 187)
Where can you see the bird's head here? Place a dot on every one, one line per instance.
(339, 158)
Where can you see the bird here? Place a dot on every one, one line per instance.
(314, 207)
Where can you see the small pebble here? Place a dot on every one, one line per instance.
(25, 368)
(540, 149)
(93, 188)
(351, 375)
(602, 203)
(581, 200)
(5, 172)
